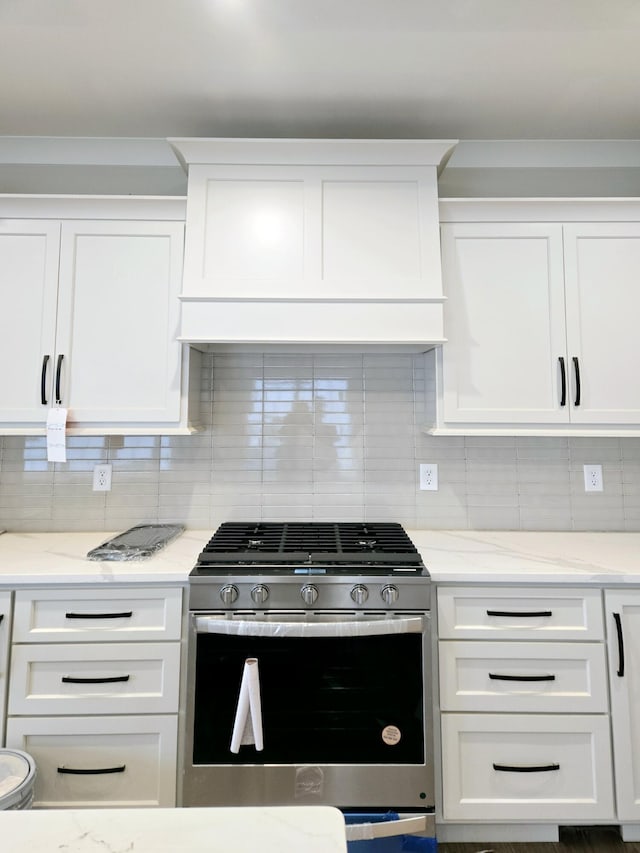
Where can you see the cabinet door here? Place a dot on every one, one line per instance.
(28, 294)
(538, 767)
(603, 305)
(624, 674)
(504, 323)
(92, 762)
(118, 319)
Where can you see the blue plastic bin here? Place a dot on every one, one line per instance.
(392, 844)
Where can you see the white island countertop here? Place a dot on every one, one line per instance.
(453, 556)
(315, 829)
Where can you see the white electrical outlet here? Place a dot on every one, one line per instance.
(102, 478)
(593, 478)
(428, 476)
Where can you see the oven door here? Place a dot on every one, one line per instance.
(343, 716)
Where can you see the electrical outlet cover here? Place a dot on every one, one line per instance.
(102, 478)
(428, 476)
(593, 478)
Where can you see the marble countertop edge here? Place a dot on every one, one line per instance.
(451, 556)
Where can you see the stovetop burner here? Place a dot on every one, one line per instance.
(318, 566)
(335, 547)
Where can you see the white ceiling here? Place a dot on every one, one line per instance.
(461, 69)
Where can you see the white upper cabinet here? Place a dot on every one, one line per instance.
(29, 256)
(504, 323)
(92, 314)
(540, 318)
(326, 241)
(602, 278)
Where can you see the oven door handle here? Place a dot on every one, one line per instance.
(339, 628)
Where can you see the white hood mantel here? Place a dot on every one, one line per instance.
(312, 241)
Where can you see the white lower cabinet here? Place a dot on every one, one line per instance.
(527, 767)
(137, 678)
(85, 762)
(524, 710)
(563, 678)
(622, 609)
(94, 694)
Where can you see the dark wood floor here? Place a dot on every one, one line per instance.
(572, 840)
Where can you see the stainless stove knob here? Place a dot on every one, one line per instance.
(260, 593)
(359, 593)
(229, 593)
(389, 594)
(309, 593)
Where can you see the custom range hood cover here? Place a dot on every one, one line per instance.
(312, 241)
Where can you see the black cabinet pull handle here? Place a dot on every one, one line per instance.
(43, 381)
(125, 615)
(526, 768)
(563, 382)
(1, 616)
(58, 372)
(618, 622)
(576, 367)
(94, 772)
(528, 613)
(70, 679)
(498, 677)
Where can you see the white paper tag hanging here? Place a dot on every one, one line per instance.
(247, 728)
(56, 435)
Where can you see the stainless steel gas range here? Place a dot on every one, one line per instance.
(309, 668)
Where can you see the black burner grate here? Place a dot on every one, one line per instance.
(312, 542)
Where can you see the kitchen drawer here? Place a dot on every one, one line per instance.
(483, 777)
(133, 759)
(525, 677)
(120, 614)
(108, 678)
(519, 613)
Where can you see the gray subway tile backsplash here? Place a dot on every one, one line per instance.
(320, 437)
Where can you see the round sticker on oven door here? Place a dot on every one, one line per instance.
(391, 735)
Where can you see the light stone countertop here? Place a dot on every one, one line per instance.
(317, 829)
(513, 557)
(454, 556)
(46, 558)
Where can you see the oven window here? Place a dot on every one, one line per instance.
(325, 700)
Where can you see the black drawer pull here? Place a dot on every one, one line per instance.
(43, 381)
(58, 374)
(70, 679)
(125, 615)
(497, 677)
(526, 768)
(618, 621)
(1, 616)
(527, 613)
(563, 382)
(94, 772)
(576, 367)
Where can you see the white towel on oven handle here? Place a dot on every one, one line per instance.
(247, 727)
